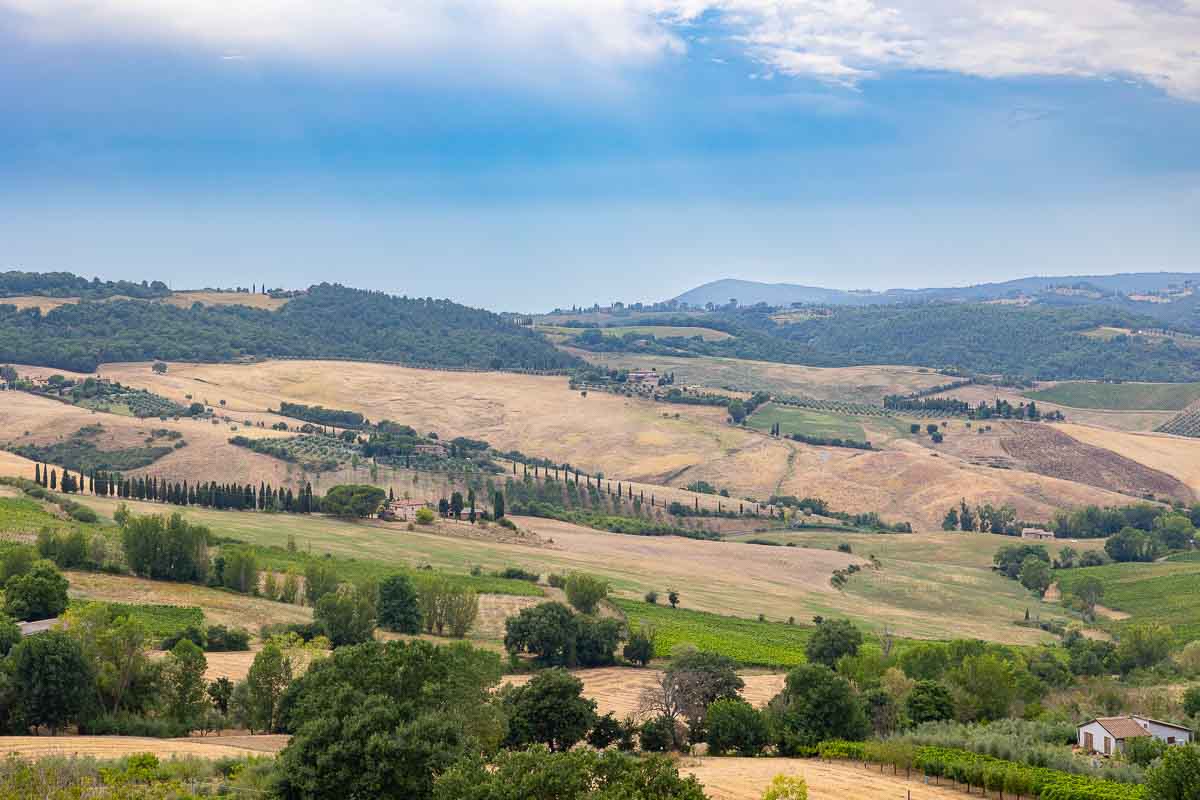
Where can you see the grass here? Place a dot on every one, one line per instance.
(1120, 396)
(657, 331)
(21, 515)
(749, 642)
(805, 421)
(1166, 592)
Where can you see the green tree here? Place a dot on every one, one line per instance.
(1067, 556)
(399, 610)
(220, 692)
(831, 640)
(640, 647)
(462, 608)
(1176, 776)
(320, 578)
(950, 521)
(498, 505)
(40, 593)
(1132, 544)
(353, 500)
(733, 725)
(1090, 591)
(1175, 531)
(816, 704)
(266, 681)
(786, 787)
(184, 676)
(737, 411)
(585, 592)
(925, 660)
(166, 548)
(1035, 575)
(241, 570)
(574, 775)
(1142, 646)
(692, 682)
(51, 679)
(549, 710)
(986, 688)
(929, 701)
(1191, 701)
(547, 631)
(347, 615)
(17, 560)
(10, 634)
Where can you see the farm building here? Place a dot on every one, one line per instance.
(1037, 534)
(403, 510)
(1108, 735)
(639, 377)
(437, 450)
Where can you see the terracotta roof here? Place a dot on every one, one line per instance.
(1122, 727)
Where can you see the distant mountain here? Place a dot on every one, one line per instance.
(1090, 288)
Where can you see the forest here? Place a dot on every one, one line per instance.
(1042, 343)
(330, 321)
(66, 284)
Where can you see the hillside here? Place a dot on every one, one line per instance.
(328, 321)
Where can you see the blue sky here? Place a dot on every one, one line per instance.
(523, 155)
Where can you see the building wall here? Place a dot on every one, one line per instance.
(1099, 734)
(1164, 732)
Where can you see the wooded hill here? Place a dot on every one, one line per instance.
(329, 321)
(1030, 342)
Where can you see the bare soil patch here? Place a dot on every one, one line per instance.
(1049, 451)
(1177, 456)
(747, 778)
(31, 747)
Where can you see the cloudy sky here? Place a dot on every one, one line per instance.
(532, 153)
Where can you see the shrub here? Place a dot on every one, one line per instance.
(40, 593)
(556, 580)
(652, 597)
(787, 787)
(425, 516)
(399, 609)
(608, 729)
(735, 725)
(585, 592)
(660, 735)
(518, 574)
(640, 647)
(222, 639)
(192, 633)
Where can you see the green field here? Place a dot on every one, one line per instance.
(805, 421)
(1120, 396)
(749, 642)
(1167, 592)
(160, 621)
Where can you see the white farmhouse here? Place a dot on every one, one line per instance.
(1107, 735)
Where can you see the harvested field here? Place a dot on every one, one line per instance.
(252, 300)
(1115, 419)
(619, 689)
(46, 304)
(1048, 451)
(1127, 396)
(31, 747)
(220, 607)
(1177, 456)
(747, 778)
(846, 384)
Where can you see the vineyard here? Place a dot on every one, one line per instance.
(833, 406)
(111, 396)
(80, 454)
(748, 642)
(1185, 423)
(976, 771)
(313, 452)
(159, 621)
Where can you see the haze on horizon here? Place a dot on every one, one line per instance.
(526, 154)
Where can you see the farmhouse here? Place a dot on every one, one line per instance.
(1108, 735)
(1037, 534)
(403, 510)
(638, 377)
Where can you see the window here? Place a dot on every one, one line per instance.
(1170, 740)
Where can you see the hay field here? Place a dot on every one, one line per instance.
(46, 304)
(848, 384)
(806, 421)
(185, 299)
(747, 778)
(1178, 456)
(619, 689)
(211, 747)
(1117, 420)
(1120, 396)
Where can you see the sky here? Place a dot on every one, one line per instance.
(527, 154)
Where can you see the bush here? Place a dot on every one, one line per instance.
(735, 725)
(1143, 750)
(192, 633)
(126, 724)
(585, 592)
(652, 597)
(660, 735)
(222, 639)
(608, 729)
(40, 593)
(640, 647)
(425, 516)
(556, 580)
(518, 574)
(399, 609)
(787, 787)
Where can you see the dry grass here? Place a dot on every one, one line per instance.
(1177, 456)
(747, 778)
(46, 304)
(31, 747)
(185, 299)
(1117, 420)
(619, 689)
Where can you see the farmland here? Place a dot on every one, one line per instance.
(746, 778)
(810, 423)
(214, 747)
(214, 298)
(1166, 592)
(657, 331)
(1120, 396)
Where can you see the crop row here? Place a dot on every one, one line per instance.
(835, 406)
(1186, 423)
(982, 771)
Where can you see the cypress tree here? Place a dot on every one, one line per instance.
(53, 479)
(37, 474)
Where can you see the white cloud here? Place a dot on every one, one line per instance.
(841, 41)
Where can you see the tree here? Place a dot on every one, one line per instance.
(1131, 544)
(115, 647)
(40, 593)
(241, 571)
(462, 607)
(266, 681)
(347, 615)
(815, 704)
(320, 578)
(735, 725)
(673, 598)
(1066, 557)
(737, 411)
(1143, 646)
(1090, 591)
(882, 712)
(690, 684)
(1035, 575)
(596, 641)
(383, 720)
(986, 687)
(352, 501)
(575, 775)
(831, 640)
(399, 610)
(1175, 531)
(159, 368)
(185, 687)
(585, 592)
(166, 548)
(1176, 776)
(1010, 559)
(498, 505)
(547, 631)
(929, 701)
(425, 516)
(51, 679)
(950, 521)
(549, 710)
(640, 647)
(10, 634)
